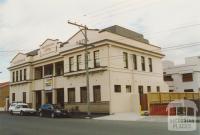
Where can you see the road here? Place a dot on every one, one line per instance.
(32, 125)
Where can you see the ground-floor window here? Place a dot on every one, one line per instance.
(158, 88)
(13, 97)
(83, 94)
(71, 95)
(171, 90)
(24, 97)
(148, 88)
(128, 88)
(97, 93)
(117, 88)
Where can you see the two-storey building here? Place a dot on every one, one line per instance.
(122, 66)
(185, 77)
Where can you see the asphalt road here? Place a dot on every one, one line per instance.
(31, 125)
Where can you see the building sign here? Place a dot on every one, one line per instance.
(182, 115)
(48, 83)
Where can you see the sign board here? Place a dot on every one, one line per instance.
(48, 84)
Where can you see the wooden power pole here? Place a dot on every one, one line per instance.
(82, 27)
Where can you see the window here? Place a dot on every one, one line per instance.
(134, 61)
(71, 64)
(158, 88)
(48, 70)
(150, 65)
(168, 78)
(96, 59)
(143, 63)
(140, 89)
(117, 88)
(13, 76)
(16, 76)
(20, 75)
(79, 62)
(128, 88)
(71, 95)
(24, 74)
(13, 97)
(125, 59)
(171, 90)
(188, 90)
(148, 88)
(97, 93)
(187, 77)
(24, 97)
(59, 68)
(83, 94)
(38, 73)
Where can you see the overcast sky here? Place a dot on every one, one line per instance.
(25, 24)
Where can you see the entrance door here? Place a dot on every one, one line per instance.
(143, 99)
(60, 97)
(38, 99)
(49, 97)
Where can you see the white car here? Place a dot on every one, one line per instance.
(12, 106)
(22, 109)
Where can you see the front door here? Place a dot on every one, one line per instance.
(49, 97)
(60, 97)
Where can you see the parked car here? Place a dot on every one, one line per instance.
(22, 109)
(52, 111)
(12, 106)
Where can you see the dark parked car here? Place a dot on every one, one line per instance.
(52, 111)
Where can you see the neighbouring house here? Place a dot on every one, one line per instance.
(122, 66)
(4, 94)
(185, 77)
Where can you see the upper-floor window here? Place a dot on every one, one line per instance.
(79, 62)
(16, 76)
(134, 61)
(38, 72)
(168, 78)
(13, 76)
(20, 75)
(48, 69)
(143, 63)
(125, 59)
(96, 59)
(59, 68)
(71, 64)
(24, 74)
(187, 77)
(150, 65)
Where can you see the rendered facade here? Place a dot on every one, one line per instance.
(185, 77)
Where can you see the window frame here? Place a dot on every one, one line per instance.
(78, 62)
(116, 89)
(96, 59)
(143, 63)
(128, 86)
(71, 64)
(150, 64)
(71, 99)
(97, 98)
(125, 60)
(134, 57)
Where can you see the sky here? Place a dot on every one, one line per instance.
(25, 24)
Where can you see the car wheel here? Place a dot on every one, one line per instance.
(40, 114)
(52, 115)
(21, 113)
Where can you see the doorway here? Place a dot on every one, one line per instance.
(38, 99)
(60, 97)
(49, 97)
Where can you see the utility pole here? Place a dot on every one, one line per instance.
(84, 27)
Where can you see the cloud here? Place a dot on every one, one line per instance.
(25, 24)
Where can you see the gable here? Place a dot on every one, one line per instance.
(48, 46)
(19, 58)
